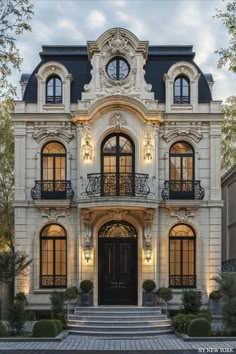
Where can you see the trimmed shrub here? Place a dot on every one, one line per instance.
(3, 330)
(16, 317)
(191, 301)
(20, 297)
(182, 321)
(165, 293)
(71, 293)
(57, 299)
(215, 295)
(86, 285)
(45, 328)
(59, 326)
(149, 285)
(199, 328)
(229, 315)
(204, 314)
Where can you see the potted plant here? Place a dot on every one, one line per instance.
(165, 294)
(216, 302)
(86, 295)
(149, 295)
(70, 294)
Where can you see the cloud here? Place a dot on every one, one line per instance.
(96, 19)
(134, 24)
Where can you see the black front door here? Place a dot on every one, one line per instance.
(118, 271)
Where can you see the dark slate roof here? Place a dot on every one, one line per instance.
(209, 77)
(75, 59)
(25, 77)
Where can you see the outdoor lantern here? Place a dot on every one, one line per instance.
(148, 149)
(87, 151)
(87, 254)
(148, 254)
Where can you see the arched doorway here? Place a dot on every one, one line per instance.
(117, 258)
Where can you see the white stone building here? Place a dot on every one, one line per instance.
(117, 164)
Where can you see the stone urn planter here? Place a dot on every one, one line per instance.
(86, 294)
(216, 303)
(149, 294)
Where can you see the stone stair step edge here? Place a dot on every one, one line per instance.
(121, 334)
(129, 309)
(117, 321)
(117, 318)
(94, 328)
(88, 313)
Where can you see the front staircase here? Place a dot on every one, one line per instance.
(119, 321)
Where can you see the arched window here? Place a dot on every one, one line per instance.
(117, 168)
(53, 171)
(54, 90)
(181, 90)
(181, 169)
(182, 257)
(53, 257)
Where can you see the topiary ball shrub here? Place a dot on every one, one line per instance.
(21, 297)
(71, 293)
(45, 328)
(86, 285)
(199, 327)
(215, 295)
(165, 293)
(182, 321)
(3, 330)
(149, 285)
(59, 325)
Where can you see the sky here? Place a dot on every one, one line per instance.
(161, 22)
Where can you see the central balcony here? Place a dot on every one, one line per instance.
(117, 184)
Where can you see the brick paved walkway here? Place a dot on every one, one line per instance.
(78, 343)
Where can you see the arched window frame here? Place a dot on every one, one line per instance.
(46, 71)
(54, 98)
(182, 280)
(188, 70)
(181, 97)
(111, 181)
(54, 279)
(54, 188)
(182, 188)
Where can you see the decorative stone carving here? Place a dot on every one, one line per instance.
(42, 133)
(54, 214)
(148, 220)
(86, 215)
(118, 44)
(190, 133)
(117, 120)
(118, 214)
(182, 214)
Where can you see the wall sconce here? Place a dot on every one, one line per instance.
(87, 151)
(148, 150)
(148, 254)
(87, 254)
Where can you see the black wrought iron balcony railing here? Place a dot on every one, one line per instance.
(182, 190)
(117, 184)
(182, 281)
(52, 189)
(53, 281)
(181, 99)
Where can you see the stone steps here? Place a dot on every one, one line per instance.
(119, 321)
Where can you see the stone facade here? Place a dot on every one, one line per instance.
(130, 107)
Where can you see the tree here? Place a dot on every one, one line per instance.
(14, 18)
(6, 176)
(228, 17)
(228, 141)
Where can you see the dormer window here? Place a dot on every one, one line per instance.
(181, 90)
(118, 69)
(54, 90)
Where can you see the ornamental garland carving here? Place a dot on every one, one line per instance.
(43, 133)
(54, 214)
(190, 133)
(182, 214)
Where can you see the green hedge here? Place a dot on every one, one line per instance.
(59, 325)
(45, 328)
(3, 330)
(182, 321)
(149, 285)
(199, 327)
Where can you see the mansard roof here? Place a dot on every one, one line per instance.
(75, 59)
